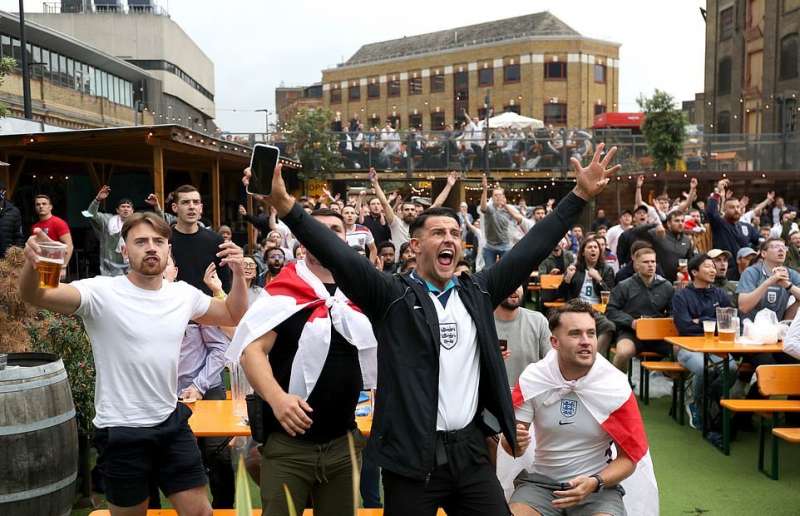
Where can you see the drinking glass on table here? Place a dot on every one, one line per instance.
(51, 260)
(727, 324)
(708, 329)
(605, 295)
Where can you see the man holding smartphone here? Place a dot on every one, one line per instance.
(439, 365)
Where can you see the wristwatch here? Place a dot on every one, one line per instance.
(600, 482)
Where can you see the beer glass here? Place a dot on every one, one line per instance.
(51, 259)
(727, 324)
(604, 297)
(708, 329)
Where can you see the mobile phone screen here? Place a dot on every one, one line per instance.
(262, 167)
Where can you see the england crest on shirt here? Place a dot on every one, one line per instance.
(448, 335)
(772, 297)
(569, 407)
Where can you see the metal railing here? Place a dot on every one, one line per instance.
(542, 150)
(90, 7)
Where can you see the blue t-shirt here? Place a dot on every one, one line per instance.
(776, 298)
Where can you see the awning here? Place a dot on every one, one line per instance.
(618, 121)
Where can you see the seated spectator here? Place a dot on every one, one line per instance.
(721, 280)
(558, 261)
(408, 265)
(626, 270)
(691, 306)
(768, 284)
(645, 294)
(793, 250)
(608, 257)
(585, 280)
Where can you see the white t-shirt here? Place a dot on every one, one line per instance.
(587, 290)
(136, 337)
(612, 237)
(459, 368)
(400, 236)
(360, 236)
(569, 441)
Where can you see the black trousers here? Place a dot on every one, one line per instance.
(463, 483)
(217, 459)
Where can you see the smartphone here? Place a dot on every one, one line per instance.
(262, 166)
(503, 344)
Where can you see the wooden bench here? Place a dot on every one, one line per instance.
(790, 435)
(678, 374)
(652, 329)
(548, 289)
(773, 380)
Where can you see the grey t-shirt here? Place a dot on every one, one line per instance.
(528, 338)
(497, 225)
(776, 297)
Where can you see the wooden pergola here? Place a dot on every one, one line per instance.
(156, 149)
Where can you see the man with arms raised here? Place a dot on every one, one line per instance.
(439, 365)
(107, 228)
(579, 405)
(135, 324)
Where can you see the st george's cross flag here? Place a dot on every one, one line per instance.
(608, 397)
(295, 289)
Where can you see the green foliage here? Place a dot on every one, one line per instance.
(663, 129)
(314, 144)
(7, 65)
(242, 502)
(66, 337)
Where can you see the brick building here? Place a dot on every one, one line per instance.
(752, 71)
(291, 99)
(535, 65)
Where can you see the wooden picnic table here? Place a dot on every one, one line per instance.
(717, 347)
(215, 418)
(232, 512)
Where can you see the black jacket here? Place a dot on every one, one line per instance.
(572, 289)
(406, 326)
(669, 248)
(632, 299)
(10, 227)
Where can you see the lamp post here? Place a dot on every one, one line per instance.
(26, 73)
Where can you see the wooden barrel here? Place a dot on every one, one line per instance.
(38, 437)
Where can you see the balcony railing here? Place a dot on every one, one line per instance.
(542, 151)
(89, 7)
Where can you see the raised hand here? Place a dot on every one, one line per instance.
(211, 279)
(152, 200)
(484, 182)
(639, 181)
(592, 179)
(693, 183)
(373, 176)
(242, 210)
(102, 195)
(452, 177)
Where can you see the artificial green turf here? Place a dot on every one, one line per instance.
(696, 479)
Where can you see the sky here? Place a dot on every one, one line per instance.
(257, 45)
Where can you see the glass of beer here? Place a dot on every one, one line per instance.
(51, 260)
(708, 329)
(727, 324)
(604, 297)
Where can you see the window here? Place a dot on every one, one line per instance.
(46, 64)
(789, 116)
(726, 23)
(512, 108)
(336, 95)
(437, 121)
(482, 112)
(486, 76)
(724, 76)
(415, 121)
(393, 87)
(600, 73)
(511, 73)
(555, 114)
(599, 109)
(374, 121)
(460, 93)
(555, 70)
(6, 46)
(394, 120)
(354, 92)
(437, 82)
(724, 122)
(15, 51)
(415, 85)
(373, 89)
(789, 56)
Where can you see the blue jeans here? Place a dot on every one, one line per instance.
(492, 255)
(693, 361)
(370, 483)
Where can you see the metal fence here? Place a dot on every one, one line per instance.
(541, 150)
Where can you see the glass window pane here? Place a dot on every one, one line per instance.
(16, 53)
(6, 46)
(62, 68)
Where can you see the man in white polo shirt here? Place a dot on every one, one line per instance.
(135, 323)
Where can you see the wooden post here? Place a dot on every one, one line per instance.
(251, 230)
(216, 205)
(158, 174)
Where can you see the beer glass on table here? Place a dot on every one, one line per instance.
(708, 329)
(727, 322)
(51, 260)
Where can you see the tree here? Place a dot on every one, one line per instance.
(7, 65)
(663, 129)
(313, 142)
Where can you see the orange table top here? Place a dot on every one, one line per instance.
(704, 345)
(232, 512)
(768, 406)
(214, 418)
